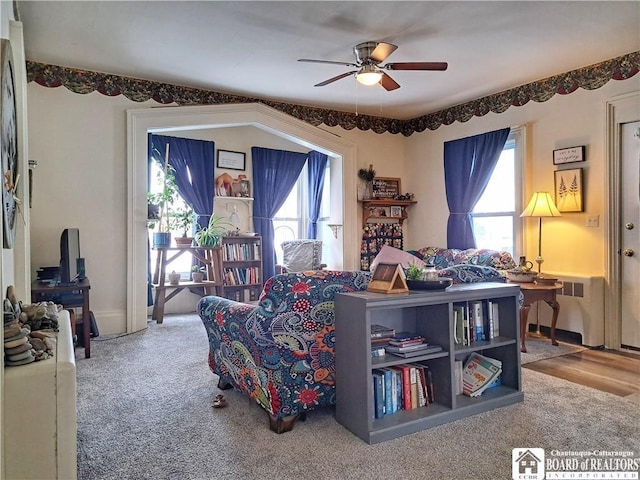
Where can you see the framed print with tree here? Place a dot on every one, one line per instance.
(568, 186)
(9, 142)
(231, 160)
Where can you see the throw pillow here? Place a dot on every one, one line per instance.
(393, 255)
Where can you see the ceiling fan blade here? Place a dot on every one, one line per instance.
(333, 79)
(327, 61)
(416, 66)
(382, 51)
(388, 83)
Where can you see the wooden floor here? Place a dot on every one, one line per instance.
(607, 370)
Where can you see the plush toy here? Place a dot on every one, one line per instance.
(224, 182)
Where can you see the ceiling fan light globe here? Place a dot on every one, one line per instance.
(369, 78)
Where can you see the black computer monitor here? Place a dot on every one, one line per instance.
(69, 255)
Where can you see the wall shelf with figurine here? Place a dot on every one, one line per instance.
(386, 202)
(385, 209)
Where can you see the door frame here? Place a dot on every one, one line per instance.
(173, 119)
(619, 110)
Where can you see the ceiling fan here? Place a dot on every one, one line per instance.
(369, 55)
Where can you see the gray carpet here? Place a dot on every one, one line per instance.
(144, 413)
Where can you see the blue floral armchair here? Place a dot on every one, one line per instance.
(281, 351)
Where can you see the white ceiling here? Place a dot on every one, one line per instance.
(251, 48)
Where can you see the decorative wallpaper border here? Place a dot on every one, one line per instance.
(137, 90)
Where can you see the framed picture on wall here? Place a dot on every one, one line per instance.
(568, 155)
(231, 160)
(568, 189)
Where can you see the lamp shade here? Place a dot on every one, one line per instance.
(369, 75)
(541, 205)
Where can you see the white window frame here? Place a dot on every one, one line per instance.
(517, 139)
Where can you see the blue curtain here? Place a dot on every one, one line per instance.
(468, 164)
(316, 166)
(274, 174)
(193, 161)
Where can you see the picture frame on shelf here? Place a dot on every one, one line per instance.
(568, 190)
(388, 278)
(569, 155)
(395, 211)
(231, 160)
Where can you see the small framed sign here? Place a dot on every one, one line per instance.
(388, 278)
(385, 188)
(568, 155)
(231, 160)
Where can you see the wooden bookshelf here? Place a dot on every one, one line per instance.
(430, 314)
(242, 267)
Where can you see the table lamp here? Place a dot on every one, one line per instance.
(540, 205)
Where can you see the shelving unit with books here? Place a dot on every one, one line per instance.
(430, 314)
(242, 267)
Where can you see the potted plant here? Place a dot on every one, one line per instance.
(161, 202)
(197, 273)
(182, 219)
(414, 272)
(210, 235)
(367, 175)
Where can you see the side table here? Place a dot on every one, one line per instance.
(73, 295)
(533, 293)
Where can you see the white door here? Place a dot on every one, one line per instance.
(630, 235)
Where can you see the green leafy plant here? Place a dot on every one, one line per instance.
(159, 203)
(182, 220)
(367, 174)
(210, 235)
(414, 272)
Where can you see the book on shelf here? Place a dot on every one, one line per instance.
(477, 320)
(378, 395)
(378, 351)
(495, 316)
(458, 377)
(478, 373)
(405, 373)
(458, 325)
(381, 331)
(380, 341)
(402, 339)
(427, 350)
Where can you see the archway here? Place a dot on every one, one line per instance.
(172, 119)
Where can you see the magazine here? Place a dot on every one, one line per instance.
(479, 372)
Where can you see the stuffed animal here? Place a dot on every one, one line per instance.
(224, 182)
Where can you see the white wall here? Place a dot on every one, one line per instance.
(564, 121)
(79, 142)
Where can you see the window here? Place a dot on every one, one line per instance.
(496, 216)
(182, 264)
(291, 221)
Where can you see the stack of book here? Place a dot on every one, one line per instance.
(409, 344)
(380, 336)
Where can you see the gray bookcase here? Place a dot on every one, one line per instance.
(431, 315)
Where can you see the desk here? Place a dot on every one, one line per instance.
(69, 296)
(212, 259)
(533, 293)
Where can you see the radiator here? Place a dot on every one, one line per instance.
(581, 307)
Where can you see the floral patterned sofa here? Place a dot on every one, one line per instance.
(281, 351)
(468, 266)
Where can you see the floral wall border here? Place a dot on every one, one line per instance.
(138, 90)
